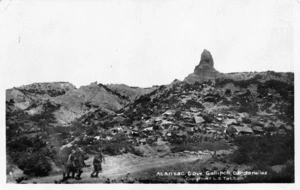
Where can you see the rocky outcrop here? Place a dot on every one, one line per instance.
(205, 71)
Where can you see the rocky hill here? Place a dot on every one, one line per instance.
(184, 111)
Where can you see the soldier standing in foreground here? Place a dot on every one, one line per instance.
(69, 166)
(79, 162)
(97, 164)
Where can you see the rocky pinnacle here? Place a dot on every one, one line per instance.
(205, 70)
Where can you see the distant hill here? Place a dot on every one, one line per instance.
(71, 102)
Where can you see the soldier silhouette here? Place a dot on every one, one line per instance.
(98, 159)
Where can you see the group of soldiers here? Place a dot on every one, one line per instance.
(75, 164)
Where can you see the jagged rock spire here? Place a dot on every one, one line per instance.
(205, 70)
(206, 62)
(206, 58)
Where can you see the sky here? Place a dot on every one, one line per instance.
(140, 43)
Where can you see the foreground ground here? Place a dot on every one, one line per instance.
(120, 167)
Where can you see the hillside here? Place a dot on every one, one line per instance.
(71, 103)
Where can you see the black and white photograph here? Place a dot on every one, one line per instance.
(148, 92)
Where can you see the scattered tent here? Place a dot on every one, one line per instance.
(258, 129)
(198, 119)
(243, 130)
